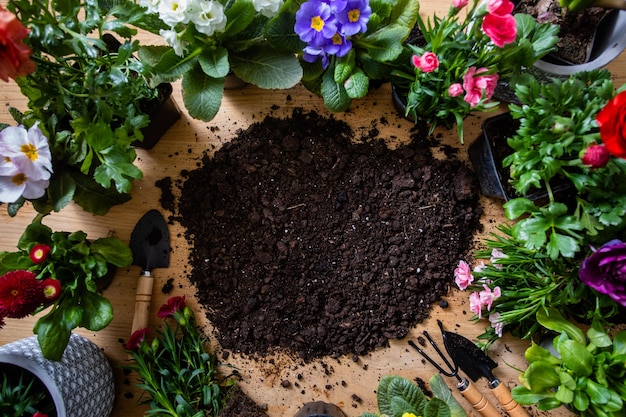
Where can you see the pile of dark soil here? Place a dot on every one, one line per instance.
(304, 241)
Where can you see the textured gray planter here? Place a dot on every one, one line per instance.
(81, 383)
(609, 42)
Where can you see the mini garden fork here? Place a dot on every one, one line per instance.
(464, 385)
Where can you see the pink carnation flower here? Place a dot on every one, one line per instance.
(463, 275)
(427, 62)
(501, 29)
(497, 325)
(500, 7)
(459, 4)
(487, 296)
(475, 85)
(476, 306)
(455, 90)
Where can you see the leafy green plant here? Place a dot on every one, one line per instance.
(370, 54)
(586, 374)
(455, 69)
(62, 271)
(90, 101)
(176, 368)
(22, 393)
(399, 397)
(558, 132)
(527, 281)
(206, 42)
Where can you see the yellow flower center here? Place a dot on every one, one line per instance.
(30, 151)
(353, 15)
(15, 292)
(337, 39)
(317, 23)
(19, 179)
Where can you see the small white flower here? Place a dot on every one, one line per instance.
(208, 17)
(25, 151)
(268, 8)
(12, 187)
(173, 12)
(172, 39)
(152, 6)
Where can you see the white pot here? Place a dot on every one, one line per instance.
(81, 383)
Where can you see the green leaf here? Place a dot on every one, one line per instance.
(113, 251)
(598, 336)
(61, 189)
(552, 319)
(576, 357)
(537, 353)
(393, 386)
(335, 96)
(267, 68)
(561, 245)
(97, 311)
(202, 95)
(441, 391)
(280, 34)
(524, 396)
(564, 394)
(597, 393)
(357, 85)
(436, 408)
(541, 377)
(215, 63)
(238, 17)
(94, 198)
(404, 13)
(344, 67)
(517, 207)
(384, 45)
(619, 343)
(171, 67)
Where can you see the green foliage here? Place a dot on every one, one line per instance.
(22, 393)
(557, 124)
(372, 56)
(586, 374)
(397, 397)
(459, 43)
(78, 263)
(179, 372)
(89, 98)
(531, 282)
(256, 48)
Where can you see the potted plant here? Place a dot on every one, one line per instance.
(80, 384)
(583, 372)
(176, 368)
(90, 102)
(61, 271)
(463, 57)
(399, 397)
(342, 46)
(209, 40)
(591, 33)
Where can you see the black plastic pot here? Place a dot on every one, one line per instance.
(488, 151)
(164, 114)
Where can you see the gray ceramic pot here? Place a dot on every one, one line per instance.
(81, 383)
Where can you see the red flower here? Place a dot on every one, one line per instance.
(14, 53)
(136, 339)
(501, 29)
(51, 289)
(427, 62)
(39, 253)
(173, 305)
(612, 122)
(20, 294)
(597, 156)
(38, 414)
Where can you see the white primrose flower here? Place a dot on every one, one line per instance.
(173, 12)
(152, 6)
(172, 39)
(208, 17)
(268, 8)
(19, 184)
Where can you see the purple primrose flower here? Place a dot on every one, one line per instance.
(354, 17)
(315, 22)
(605, 270)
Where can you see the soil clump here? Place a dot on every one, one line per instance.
(308, 241)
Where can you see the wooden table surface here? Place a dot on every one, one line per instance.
(349, 384)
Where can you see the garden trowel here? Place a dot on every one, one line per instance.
(150, 244)
(475, 364)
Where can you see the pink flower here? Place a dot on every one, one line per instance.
(476, 306)
(463, 275)
(427, 62)
(495, 255)
(597, 156)
(501, 29)
(475, 85)
(494, 319)
(455, 90)
(500, 7)
(487, 297)
(479, 267)
(173, 305)
(459, 4)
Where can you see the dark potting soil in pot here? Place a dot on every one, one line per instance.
(576, 30)
(306, 242)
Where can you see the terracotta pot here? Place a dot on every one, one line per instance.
(487, 153)
(80, 384)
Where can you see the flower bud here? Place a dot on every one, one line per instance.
(597, 156)
(155, 345)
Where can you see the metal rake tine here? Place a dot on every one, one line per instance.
(453, 369)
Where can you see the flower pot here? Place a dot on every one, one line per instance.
(487, 153)
(609, 42)
(163, 114)
(80, 384)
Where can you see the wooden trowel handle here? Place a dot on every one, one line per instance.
(477, 399)
(503, 395)
(142, 301)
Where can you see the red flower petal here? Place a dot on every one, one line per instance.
(39, 253)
